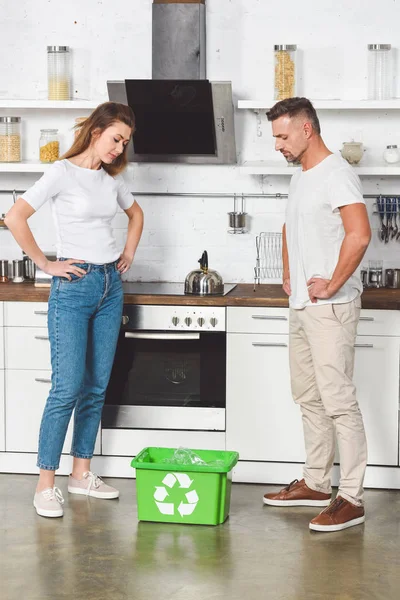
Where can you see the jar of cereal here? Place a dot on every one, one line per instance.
(285, 71)
(10, 139)
(49, 146)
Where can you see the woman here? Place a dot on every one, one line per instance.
(86, 297)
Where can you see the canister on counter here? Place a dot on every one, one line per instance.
(18, 271)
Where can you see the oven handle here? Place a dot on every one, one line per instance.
(161, 336)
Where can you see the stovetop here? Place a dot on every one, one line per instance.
(163, 288)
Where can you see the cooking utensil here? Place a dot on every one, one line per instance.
(3, 271)
(380, 202)
(204, 281)
(29, 268)
(392, 278)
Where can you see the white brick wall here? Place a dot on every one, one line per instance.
(113, 40)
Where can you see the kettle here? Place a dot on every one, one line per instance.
(203, 281)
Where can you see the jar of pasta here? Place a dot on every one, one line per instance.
(10, 139)
(49, 146)
(285, 71)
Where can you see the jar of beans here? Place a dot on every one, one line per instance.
(10, 139)
(49, 145)
(285, 71)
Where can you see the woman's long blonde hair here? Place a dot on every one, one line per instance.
(101, 118)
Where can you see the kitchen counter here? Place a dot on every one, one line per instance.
(241, 295)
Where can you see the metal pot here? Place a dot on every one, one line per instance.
(203, 281)
(29, 268)
(392, 278)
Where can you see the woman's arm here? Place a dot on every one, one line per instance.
(17, 222)
(135, 228)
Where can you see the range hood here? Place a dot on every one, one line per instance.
(179, 120)
(181, 117)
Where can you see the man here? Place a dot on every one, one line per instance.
(324, 239)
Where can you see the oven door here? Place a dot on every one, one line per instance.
(168, 380)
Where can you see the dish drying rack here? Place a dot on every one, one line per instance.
(268, 257)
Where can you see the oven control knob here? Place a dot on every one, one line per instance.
(201, 321)
(188, 321)
(175, 321)
(125, 320)
(213, 321)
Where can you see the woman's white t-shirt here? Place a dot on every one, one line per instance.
(83, 203)
(314, 227)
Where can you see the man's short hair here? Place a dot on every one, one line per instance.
(294, 107)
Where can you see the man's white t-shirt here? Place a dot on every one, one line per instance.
(314, 228)
(84, 203)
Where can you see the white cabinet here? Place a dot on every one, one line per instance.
(376, 376)
(263, 423)
(27, 348)
(2, 412)
(27, 376)
(25, 314)
(2, 401)
(26, 395)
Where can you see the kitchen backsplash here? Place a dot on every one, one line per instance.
(240, 39)
(178, 229)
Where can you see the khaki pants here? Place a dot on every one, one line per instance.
(321, 353)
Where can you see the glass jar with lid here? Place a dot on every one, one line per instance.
(285, 71)
(58, 73)
(49, 145)
(10, 139)
(79, 121)
(392, 154)
(380, 77)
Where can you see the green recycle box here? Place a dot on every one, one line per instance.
(192, 494)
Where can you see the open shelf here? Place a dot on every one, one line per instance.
(49, 104)
(328, 104)
(25, 166)
(262, 167)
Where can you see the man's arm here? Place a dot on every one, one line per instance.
(285, 260)
(356, 240)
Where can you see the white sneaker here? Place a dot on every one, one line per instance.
(91, 485)
(48, 503)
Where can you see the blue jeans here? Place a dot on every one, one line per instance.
(84, 320)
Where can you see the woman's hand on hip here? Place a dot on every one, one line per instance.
(63, 268)
(124, 262)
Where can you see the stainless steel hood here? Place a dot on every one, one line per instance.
(179, 121)
(181, 117)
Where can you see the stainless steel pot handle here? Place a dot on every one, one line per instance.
(269, 345)
(42, 380)
(270, 318)
(162, 336)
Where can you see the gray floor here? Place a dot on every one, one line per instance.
(98, 551)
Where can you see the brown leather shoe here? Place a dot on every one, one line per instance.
(339, 515)
(297, 493)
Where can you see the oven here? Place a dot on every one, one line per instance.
(169, 370)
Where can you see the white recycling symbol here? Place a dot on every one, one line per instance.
(161, 493)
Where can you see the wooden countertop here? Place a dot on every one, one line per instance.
(241, 295)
